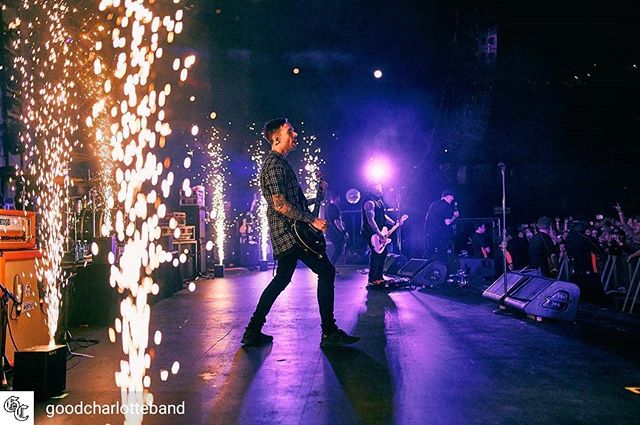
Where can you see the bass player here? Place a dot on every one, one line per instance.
(374, 219)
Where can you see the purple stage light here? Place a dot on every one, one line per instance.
(378, 170)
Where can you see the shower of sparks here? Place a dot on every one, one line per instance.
(311, 165)
(136, 33)
(97, 89)
(45, 66)
(216, 172)
(216, 180)
(258, 152)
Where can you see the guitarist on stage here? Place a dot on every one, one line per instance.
(373, 220)
(286, 204)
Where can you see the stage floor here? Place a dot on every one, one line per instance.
(426, 357)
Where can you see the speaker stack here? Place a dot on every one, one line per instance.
(536, 296)
(196, 215)
(38, 366)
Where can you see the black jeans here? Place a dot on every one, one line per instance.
(376, 263)
(286, 266)
(436, 248)
(337, 239)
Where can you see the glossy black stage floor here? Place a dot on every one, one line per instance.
(427, 356)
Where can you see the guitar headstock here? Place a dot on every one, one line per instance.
(322, 183)
(403, 219)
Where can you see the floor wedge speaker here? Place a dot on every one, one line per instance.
(433, 275)
(393, 263)
(412, 267)
(537, 296)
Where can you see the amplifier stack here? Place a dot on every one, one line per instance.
(25, 319)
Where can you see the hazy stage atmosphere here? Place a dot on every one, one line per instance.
(319, 212)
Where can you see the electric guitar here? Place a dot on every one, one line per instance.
(378, 243)
(307, 236)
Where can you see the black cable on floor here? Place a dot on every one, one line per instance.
(13, 341)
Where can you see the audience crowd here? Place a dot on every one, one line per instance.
(581, 247)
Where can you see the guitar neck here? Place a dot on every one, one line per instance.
(397, 224)
(393, 229)
(316, 203)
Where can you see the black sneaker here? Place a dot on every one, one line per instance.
(338, 338)
(254, 338)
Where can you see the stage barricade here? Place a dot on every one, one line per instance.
(616, 274)
(633, 288)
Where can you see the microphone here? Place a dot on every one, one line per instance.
(455, 206)
(9, 294)
(501, 165)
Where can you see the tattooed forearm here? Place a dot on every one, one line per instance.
(281, 205)
(370, 214)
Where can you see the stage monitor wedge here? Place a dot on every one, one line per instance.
(431, 276)
(412, 267)
(537, 296)
(393, 263)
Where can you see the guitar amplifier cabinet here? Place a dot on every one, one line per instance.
(17, 230)
(28, 325)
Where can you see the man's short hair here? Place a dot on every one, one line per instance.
(270, 127)
(446, 192)
(544, 222)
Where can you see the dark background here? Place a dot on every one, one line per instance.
(559, 104)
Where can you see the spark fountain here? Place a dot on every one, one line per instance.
(258, 152)
(214, 172)
(45, 63)
(216, 180)
(311, 165)
(137, 29)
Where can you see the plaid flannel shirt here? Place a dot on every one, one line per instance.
(278, 178)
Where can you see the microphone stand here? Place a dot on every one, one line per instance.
(501, 166)
(398, 218)
(4, 361)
